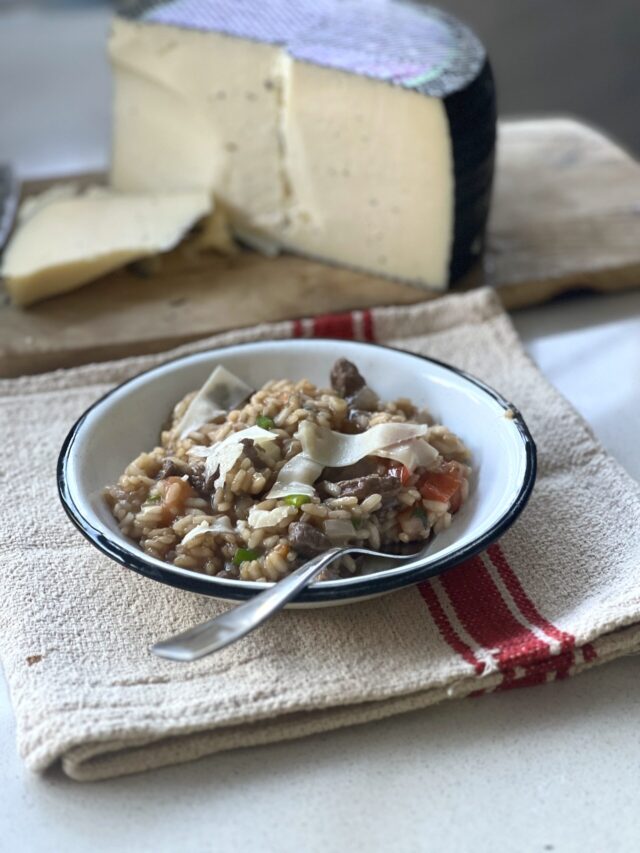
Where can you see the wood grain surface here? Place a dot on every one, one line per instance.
(566, 215)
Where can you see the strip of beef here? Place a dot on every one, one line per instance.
(202, 481)
(172, 467)
(195, 473)
(346, 379)
(307, 539)
(368, 465)
(253, 454)
(367, 477)
(373, 484)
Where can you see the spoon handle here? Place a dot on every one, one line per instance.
(233, 624)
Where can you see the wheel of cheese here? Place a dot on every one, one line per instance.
(361, 132)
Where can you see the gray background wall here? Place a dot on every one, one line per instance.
(571, 56)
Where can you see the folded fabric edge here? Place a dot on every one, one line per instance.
(96, 761)
(105, 759)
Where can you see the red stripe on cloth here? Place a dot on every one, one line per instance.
(485, 616)
(347, 326)
(367, 323)
(531, 679)
(524, 604)
(446, 629)
(334, 326)
(537, 673)
(589, 654)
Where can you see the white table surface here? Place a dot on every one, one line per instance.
(548, 768)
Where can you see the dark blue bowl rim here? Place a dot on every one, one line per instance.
(370, 585)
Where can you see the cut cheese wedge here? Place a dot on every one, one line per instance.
(63, 241)
(360, 132)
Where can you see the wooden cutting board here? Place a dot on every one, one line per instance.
(566, 215)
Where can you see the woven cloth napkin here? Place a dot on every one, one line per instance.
(558, 594)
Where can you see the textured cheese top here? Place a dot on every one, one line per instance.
(394, 41)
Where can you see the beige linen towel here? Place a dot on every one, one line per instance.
(559, 593)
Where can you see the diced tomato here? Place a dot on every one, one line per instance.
(444, 485)
(401, 472)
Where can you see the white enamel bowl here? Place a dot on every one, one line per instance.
(128, 419)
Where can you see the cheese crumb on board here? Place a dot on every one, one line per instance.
(64, 240)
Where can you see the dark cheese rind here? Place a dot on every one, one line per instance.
(472, 121)
(400, 42)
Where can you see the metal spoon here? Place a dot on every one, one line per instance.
(230, 626)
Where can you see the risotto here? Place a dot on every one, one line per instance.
(250, 483)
